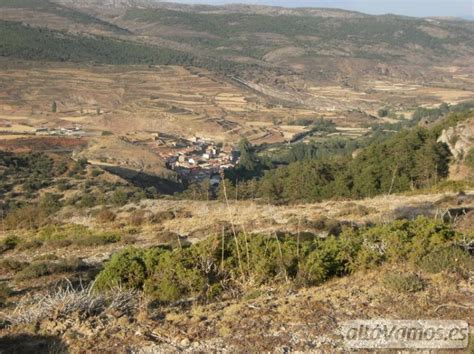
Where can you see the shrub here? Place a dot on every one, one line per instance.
(138, 195)
(9, 265)
(76, 235)
(128, 268)
(27, 217)
(87, 201)
(62, 185)
(119, 197)
(449, 259)
(151, 192)
(46, 257)
(137, 218)
(162, 216)
(43, 268)
(383, 112)
(399, 241)
(9, 243)
(321, 263)
(105, 215)
(203, 269)
(469, 159)
(96, 172)
(50, 203)
(175, 277)
(31, 244)
(406, 283)
(5, 292)
(96, 239)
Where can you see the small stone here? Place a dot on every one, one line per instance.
(185, 342)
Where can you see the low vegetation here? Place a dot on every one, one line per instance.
(219, 265)
(43, 268)
(35, 186)
(29, 43)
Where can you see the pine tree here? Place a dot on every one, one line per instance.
(54, 107)
(248, 160)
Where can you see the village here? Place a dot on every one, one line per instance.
(75, 130)
(197, 158)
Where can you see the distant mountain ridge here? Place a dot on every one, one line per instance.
(214, 9)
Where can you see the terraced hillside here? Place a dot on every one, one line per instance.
(168, 99)
(326, 60)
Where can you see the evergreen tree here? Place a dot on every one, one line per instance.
(248, 160)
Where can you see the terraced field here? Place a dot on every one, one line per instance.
(168, 99)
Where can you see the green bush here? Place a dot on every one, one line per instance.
(204, 269)
(128, 268)
(383, 112)
(399, 241)
(321, 263)
(119, 197)
(175, 276)
(405, 283)
(96, 239)
(96, 172)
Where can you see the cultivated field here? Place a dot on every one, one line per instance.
(168, 99)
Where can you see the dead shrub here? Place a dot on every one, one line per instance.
(161, 216)
(137, 218)
(354, 209)
(67, 301)
(28, 217)
(105, 216)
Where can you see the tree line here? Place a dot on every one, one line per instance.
(411, 159)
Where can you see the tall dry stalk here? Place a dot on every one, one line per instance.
(231, 219)
(223, 247)
(246, 248)
(393, 179)
(281, 257)
(298, 237)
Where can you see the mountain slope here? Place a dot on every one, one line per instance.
(54, 15)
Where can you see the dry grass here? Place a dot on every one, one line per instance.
(67, 301)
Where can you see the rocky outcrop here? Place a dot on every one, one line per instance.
(460, 139)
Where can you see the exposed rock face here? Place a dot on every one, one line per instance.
(460, 139)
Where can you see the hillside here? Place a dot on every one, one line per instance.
(238, 178)
(311, 56)
(212, 320)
